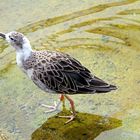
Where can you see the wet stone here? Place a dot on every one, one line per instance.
(84, 127)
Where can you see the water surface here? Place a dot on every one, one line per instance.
(103, 35)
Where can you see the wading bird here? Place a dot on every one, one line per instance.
(55, 72)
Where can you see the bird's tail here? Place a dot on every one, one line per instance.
(100, 86)
(104, 89)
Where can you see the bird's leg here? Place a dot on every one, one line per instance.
(71, 117)
(55, 106)
(62, 99)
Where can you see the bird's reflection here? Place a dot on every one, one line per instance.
(84, 127)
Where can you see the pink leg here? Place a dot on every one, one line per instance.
(71, 117)
(62, 99)
(72, 104)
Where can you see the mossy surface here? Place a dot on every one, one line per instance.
(84, 127)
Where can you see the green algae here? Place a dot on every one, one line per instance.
(49, 22)
(128, 12)
(84, 127)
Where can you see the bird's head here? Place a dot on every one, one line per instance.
(16, 39)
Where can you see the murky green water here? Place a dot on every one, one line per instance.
(104, 35)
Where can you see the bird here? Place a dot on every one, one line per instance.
(55, 72)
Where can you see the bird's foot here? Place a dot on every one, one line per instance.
(71, 118)
(52, 108)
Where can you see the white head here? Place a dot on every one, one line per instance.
(20, 43)
(17, 40)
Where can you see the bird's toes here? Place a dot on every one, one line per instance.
(48, 106)
(71, 118)
(51, 108)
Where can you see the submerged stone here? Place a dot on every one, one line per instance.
(84, 127)
(3, 137)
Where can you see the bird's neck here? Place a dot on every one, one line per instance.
(23, 54)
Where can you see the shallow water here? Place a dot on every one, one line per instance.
(103, 35)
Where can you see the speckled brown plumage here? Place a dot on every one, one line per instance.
(61, 73)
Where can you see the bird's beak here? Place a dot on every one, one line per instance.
(2, 35)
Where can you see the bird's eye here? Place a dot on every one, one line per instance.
(12, 38)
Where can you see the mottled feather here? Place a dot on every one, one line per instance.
(62, 73)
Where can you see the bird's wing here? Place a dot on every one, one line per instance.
(61, 73)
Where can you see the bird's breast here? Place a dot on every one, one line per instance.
(29, 73)
(19, 59)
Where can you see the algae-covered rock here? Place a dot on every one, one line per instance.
(84, 127)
